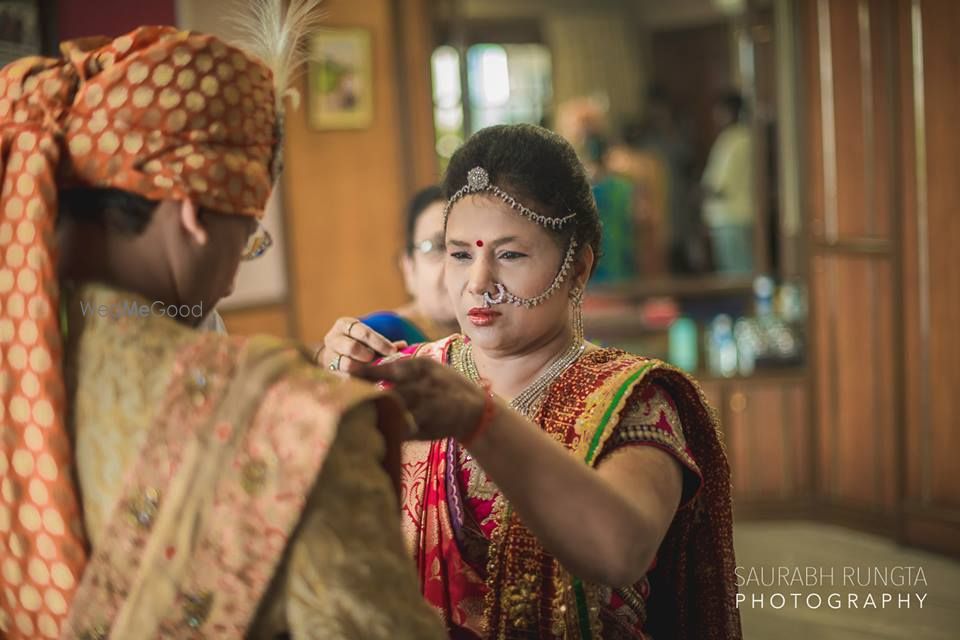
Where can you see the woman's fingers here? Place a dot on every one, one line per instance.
(353, 328)
(316, 354)
(350, 344)
(349, 348)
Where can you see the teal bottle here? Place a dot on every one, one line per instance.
(683, 338)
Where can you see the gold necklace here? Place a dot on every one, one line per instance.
(526, 401)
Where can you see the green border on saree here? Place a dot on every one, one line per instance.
(617, 398)
(583, 612)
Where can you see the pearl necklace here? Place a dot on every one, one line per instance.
(525, 402)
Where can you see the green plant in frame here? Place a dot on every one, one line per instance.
(340, 80)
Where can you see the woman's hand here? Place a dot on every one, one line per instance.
(443, 403)
(350, 344)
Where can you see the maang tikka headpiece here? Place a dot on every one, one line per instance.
(478, 181)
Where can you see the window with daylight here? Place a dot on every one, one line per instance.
(506, 84)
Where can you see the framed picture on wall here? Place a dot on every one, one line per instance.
(340, 80)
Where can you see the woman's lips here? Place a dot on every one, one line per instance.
(481, 317)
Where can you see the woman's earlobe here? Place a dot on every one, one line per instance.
(584, 266)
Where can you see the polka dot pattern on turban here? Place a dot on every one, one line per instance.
(158, 112)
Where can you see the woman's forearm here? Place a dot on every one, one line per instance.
(592, 529)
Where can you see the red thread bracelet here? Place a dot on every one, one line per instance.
(486, 417)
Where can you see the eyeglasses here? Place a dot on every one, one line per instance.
(257, 244)
(429, 248)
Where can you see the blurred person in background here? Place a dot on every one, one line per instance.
(728, 189)
(648, 175)
(584, 124)
(429, 314)
(660, 133)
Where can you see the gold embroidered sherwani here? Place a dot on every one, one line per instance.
(343, 571)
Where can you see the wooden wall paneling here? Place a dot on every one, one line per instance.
(941, 69)
(887, 406)
(852, 405)
(742, 446)
(847, 81)
(823, 359)
(266, 319)
(415, 44)
(765, 420)
(852, 317)
(929, 99)
(346, 192)
(912, 346)
(758, 419)
(855, 408)
(865, 409)
(812, 198)
(796, 439)
(854, 92)
(880, 100)
(881, 176)
(900, 185)
(821, 130)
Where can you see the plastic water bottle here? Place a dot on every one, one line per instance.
(683, 344)
(723, 348)
(747, 336)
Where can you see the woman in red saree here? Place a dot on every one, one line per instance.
(558, 490)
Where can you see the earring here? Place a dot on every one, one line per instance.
(576, 300)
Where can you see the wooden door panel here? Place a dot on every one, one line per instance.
(796, 439)
(768, 436)
(855, 404)
(931, 281)
(850, 217)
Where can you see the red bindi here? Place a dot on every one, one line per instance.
(479, 243)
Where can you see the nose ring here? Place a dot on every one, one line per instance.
(489, 301)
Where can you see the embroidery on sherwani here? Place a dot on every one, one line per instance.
(219, 487)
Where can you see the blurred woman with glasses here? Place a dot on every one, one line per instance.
(427, 316)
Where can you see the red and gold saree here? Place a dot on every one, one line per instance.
(490, 578)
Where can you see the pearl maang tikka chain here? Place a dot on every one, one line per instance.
(478, 181)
